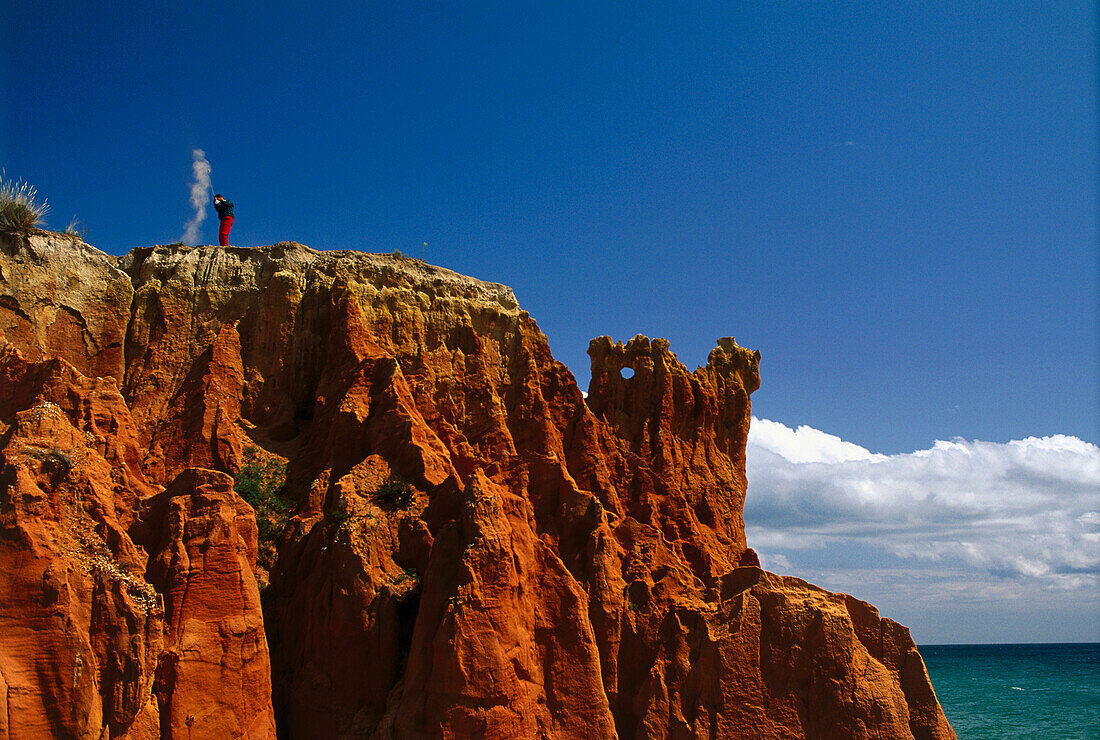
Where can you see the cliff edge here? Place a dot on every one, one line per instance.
(449, 539)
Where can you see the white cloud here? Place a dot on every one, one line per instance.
(805, 444)
(1026, 511)
(777, 562)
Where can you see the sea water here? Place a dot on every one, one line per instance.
(1018, 691)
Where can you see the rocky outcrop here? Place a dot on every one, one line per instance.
(214, 677)
(117, 592)
(80, 630)
(473, 548)
(60, 297)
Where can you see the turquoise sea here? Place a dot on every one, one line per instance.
(1018, 691)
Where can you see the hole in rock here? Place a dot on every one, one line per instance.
(627, 373)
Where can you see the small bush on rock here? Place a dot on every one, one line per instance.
(20, 209)
(260, 482)
(60, 458)
(394, 495)
(57, 464)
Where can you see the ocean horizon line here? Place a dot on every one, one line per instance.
(923, 645)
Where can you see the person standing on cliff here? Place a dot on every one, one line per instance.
(225, 218)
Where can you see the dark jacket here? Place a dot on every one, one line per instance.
(224, 209)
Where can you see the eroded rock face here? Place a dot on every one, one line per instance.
(214, 680)
(475, 549)
(80, 630)
(60, 297)
(776, 657)
(131, 611)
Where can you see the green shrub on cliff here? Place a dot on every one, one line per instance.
(20, 209)
(260, 482)
(394, 495)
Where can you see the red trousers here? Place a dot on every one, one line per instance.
(223, 231)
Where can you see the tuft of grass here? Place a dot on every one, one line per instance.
(394, 495)
(20, 208)
(260, 483)
(76, 228)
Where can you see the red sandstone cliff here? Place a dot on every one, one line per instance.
(558, 567)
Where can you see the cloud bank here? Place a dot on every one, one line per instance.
(1007, 520)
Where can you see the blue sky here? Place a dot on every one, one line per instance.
(896, 203)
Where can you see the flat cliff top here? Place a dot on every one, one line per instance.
(380, 269)
(257, 264)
